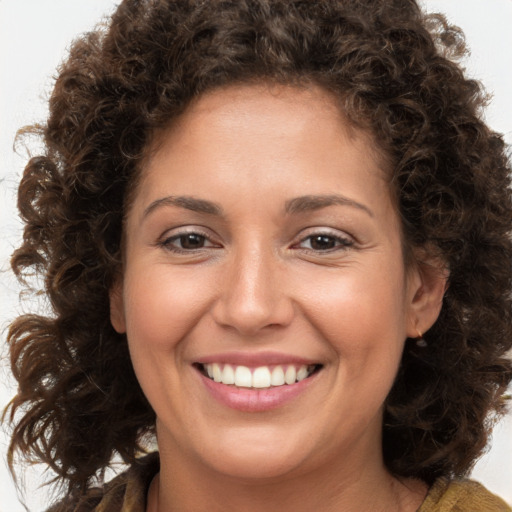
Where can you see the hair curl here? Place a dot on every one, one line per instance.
(79, 402)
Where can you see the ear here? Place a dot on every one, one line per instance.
(117, 317)
(427, 284)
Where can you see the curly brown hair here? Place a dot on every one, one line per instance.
(390, 66)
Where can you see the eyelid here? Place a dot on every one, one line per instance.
(345, 239)
(170, 235)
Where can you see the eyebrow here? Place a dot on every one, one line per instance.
(314, 202)
(296, 205)
(187, 202)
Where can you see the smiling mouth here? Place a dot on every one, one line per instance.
(261, 377)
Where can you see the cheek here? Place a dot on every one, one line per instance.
(161, 308)
(360, 312)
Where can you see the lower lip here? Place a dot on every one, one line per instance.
(256, 400)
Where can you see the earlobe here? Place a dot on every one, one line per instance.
(428, 286)
(117, 318)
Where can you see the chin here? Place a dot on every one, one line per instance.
(256, 466)
(261, 456)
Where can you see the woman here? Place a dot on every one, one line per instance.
(274, 234)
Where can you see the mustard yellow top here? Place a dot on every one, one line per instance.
(127, 493)
(461, 496)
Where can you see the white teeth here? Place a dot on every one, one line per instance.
(243, 377)
(277, 378)
(228, 375)
(217, 373)
(302, 373)
(290, 376)
(261, 377)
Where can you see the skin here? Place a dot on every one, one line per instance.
(258, 281)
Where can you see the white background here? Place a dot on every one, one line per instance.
(34, 35)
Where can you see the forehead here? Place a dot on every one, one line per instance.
(259, 132)
(277, 110)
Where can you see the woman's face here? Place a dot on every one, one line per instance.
(263, 248)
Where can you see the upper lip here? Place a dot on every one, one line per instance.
(255, 359)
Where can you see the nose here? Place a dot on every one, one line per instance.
(253, 294)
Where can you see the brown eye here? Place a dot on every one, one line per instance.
(191, 241)
(185, 242)
(323, 242)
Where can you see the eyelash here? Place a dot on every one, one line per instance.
(340, 243)
(167, 242)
